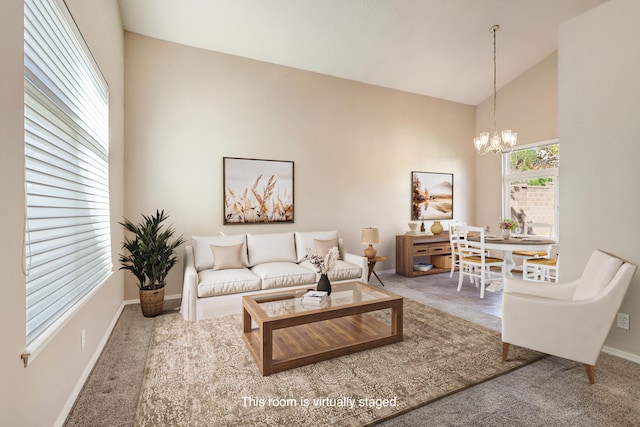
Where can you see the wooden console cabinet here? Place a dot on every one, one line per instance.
(411, 250)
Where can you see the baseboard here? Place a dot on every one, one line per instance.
(87, 371)
(621, 354)
(166, 298)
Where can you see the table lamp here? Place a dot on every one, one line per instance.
(369, 236)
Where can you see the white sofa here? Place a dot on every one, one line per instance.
(219, 270)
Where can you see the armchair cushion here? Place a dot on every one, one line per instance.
(560, 291)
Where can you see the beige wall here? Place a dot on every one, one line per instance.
(528, 105)
(41, 393)
(599, 128)
(11, 214)
(354, 145)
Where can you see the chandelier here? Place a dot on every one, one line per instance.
(494, 144)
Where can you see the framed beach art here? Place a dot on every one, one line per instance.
(257, 191)
(431, 196)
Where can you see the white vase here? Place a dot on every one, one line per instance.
(506, 234)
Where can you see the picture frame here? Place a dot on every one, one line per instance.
(257, 191)
(431, 196)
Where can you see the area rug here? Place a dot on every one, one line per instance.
(201, 374)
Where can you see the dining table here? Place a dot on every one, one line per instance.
(510, 245)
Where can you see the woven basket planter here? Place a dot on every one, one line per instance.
(151, 301)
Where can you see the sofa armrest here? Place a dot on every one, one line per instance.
(190, 281)
(360, 261)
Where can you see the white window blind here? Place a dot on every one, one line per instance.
(68, 237)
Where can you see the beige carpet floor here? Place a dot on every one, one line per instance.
(201, 374)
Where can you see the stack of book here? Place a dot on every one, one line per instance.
(314, 297)
(422, 266)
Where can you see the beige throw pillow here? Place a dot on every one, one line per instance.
(304, 240)
(203, 255)
(323, 246)
(227, 257)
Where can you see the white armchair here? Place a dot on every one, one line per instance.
(569, 320)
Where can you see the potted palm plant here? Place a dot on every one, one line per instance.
(149, 255)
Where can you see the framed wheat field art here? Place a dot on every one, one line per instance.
(431, 196)
(257, 191)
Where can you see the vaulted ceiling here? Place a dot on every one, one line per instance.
(439, 48)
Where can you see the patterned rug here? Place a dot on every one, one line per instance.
(201, 374)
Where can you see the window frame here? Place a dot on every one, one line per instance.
(508, 177)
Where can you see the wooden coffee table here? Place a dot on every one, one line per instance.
(289, 334)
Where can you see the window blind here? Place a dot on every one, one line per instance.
(68, 237)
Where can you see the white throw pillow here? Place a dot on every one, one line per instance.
(277, 247)
(202, 254)
(304, 240)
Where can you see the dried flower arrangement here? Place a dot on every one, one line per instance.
(323, 264)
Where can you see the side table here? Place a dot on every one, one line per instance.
(372, 265)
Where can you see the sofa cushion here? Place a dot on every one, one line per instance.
(203, 256)
(276, 247)
(223, 282)
(282, 274)
(341, 271)
(304, 240)
(226, 257)
(322, 246)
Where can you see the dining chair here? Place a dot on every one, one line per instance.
(538, 229)
(475, 262)
(453, 240)
(543, 269)
(534, 229)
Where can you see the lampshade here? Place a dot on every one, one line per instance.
(370, 235)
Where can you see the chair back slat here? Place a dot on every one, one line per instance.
(474, 259)
(453, 241)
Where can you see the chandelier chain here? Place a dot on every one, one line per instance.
(495, 91)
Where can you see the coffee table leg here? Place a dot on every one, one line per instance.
(396, 321)
(266, 350)
(246, 320)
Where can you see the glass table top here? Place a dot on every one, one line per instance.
(342, 294)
